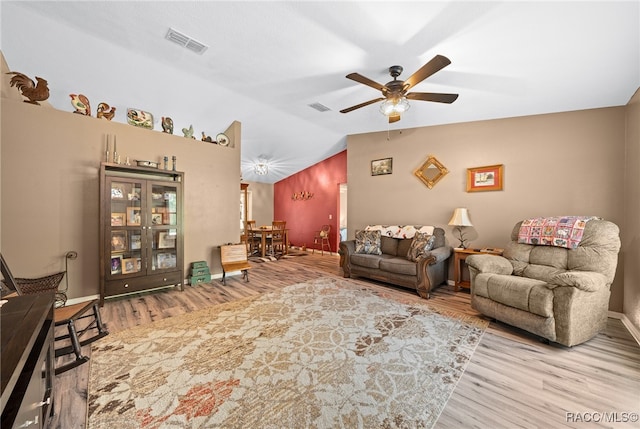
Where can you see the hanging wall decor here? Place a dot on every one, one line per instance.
(487, 178)
(431, 172)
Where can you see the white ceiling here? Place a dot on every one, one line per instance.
(267, 61)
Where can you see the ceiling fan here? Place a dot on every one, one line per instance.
(395, 93)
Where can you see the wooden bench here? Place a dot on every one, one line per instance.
(233, 257)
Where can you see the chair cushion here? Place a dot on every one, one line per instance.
(368, 242)
(523, 293)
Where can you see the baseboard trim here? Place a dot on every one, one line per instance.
(81, 299)
(633, 330)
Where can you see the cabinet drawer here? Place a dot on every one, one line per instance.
(137, 284)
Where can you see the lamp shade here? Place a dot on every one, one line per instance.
(460, 218)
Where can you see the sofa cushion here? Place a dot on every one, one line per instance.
(367, 261)
(421, 244)
(368, 242)
(389, 246)
(398, 265)
(523, 293)
(404, 244)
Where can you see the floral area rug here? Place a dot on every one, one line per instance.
(328, 353)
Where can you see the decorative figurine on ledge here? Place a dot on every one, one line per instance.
(29, 89)
(206, 138)
(81, 104)
(167, 125)
(188, 132)
(104, 111)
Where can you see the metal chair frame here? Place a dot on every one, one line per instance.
(64, 315)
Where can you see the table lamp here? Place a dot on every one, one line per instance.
(460, 219)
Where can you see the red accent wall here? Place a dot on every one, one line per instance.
(304, 218)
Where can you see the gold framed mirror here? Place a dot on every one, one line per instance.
(431, 172)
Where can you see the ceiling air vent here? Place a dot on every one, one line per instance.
(319, 107)
(185, 41)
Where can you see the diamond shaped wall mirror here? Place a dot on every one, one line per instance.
(431, 172)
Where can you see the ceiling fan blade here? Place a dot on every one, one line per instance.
(437, 63)
(393, 119)
(432, 96)
(365, 80)
(357, 106)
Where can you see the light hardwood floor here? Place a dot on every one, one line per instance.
(513, 380)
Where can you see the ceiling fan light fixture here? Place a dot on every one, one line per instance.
(394, 106)
(261, 168)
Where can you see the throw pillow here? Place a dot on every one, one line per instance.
(368, 242)
(421, 244)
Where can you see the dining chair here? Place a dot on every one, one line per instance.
(277, 239)
(253, 238)
(322, 238)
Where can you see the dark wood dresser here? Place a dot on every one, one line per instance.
(27, 355)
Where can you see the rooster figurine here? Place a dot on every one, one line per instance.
(81, 104)
(167, 125)
(104, 111)
(188, 132)
(29, 89)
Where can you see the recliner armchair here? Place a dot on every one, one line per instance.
(557, 293)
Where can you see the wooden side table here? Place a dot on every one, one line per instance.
(460, 255)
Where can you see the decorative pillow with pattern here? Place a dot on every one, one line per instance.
(421, 244)
(368, 242)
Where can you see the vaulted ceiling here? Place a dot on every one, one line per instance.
(266, 62)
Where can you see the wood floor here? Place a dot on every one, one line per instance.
(513, 380)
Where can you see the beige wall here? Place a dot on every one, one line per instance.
(555, 164)
(49, 177)
(262, 202)
(631, 238)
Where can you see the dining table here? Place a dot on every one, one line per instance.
(264, 232)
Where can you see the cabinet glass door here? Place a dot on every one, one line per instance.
(126, 228)
(164, 226)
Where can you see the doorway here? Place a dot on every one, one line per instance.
(342, 213)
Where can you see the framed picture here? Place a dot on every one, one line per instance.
(134, 215)
(130, 265)
(118, 219)
(381, 166)
(118, 191)
(166, 240)
(118, 241)
(116, 264)
(487, 178)
(136, 241)
(166, 260)
(156, 218)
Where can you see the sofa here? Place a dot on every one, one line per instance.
(410, 256)
(548, 286)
